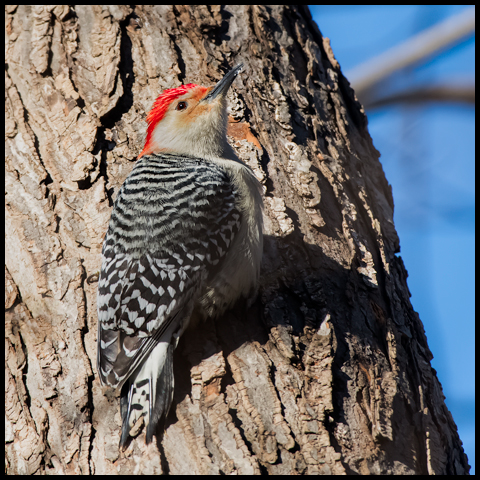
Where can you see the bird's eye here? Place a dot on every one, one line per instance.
(181, 106)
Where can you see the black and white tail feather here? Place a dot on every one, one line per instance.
(154, 381)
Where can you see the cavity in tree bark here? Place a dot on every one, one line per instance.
(328, 372)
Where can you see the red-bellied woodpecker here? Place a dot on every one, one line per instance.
(185, 236)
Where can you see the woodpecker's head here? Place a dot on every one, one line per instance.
(191, 120)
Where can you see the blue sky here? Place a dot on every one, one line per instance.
(428, 154)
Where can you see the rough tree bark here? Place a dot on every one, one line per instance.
(328, 372)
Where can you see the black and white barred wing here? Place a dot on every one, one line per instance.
(171, 226)
(135, 310)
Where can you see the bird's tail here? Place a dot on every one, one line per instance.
(149, 391)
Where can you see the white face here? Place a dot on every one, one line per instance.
(193, 127)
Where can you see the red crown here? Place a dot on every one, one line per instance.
(159, 109)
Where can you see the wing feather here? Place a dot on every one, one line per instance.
(156, 261)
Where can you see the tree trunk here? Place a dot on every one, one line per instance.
(328, 372)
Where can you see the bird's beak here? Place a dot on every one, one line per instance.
(221, 88)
